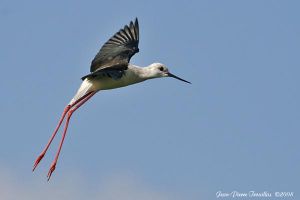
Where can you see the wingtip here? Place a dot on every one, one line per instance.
(135, 21)
(136, 27)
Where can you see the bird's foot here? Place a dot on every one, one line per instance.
(38, 160)
(51, 170)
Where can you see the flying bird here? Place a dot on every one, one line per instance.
(109, 69)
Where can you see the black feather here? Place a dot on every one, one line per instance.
(119, 49)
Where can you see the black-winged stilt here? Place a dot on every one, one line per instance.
(109, 69)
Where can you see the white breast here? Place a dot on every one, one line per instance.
(131, 76)
(105, 83)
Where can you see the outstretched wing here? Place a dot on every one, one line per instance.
(117, 51)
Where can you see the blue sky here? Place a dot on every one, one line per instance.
(235, 128)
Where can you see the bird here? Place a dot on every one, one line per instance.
(110, 69)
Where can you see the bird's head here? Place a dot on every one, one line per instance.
(158, 70)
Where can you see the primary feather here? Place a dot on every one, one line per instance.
(117, 51)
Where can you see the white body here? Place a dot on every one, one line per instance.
(132, 75)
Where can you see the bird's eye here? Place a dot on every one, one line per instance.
(161, 69)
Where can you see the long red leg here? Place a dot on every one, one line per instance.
(53, 165)
(67, 108)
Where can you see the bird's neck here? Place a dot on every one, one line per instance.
(143, 73)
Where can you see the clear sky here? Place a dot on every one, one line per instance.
(235, 128)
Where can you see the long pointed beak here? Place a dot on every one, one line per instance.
(173, 76)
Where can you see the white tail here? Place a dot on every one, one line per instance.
(85, 87)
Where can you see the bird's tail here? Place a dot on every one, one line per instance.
(85, 87)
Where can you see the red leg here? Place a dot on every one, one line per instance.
(67, 108)
(53, 165)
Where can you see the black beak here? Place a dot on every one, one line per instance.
(172, 75)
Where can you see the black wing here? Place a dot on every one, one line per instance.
(117, 51)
